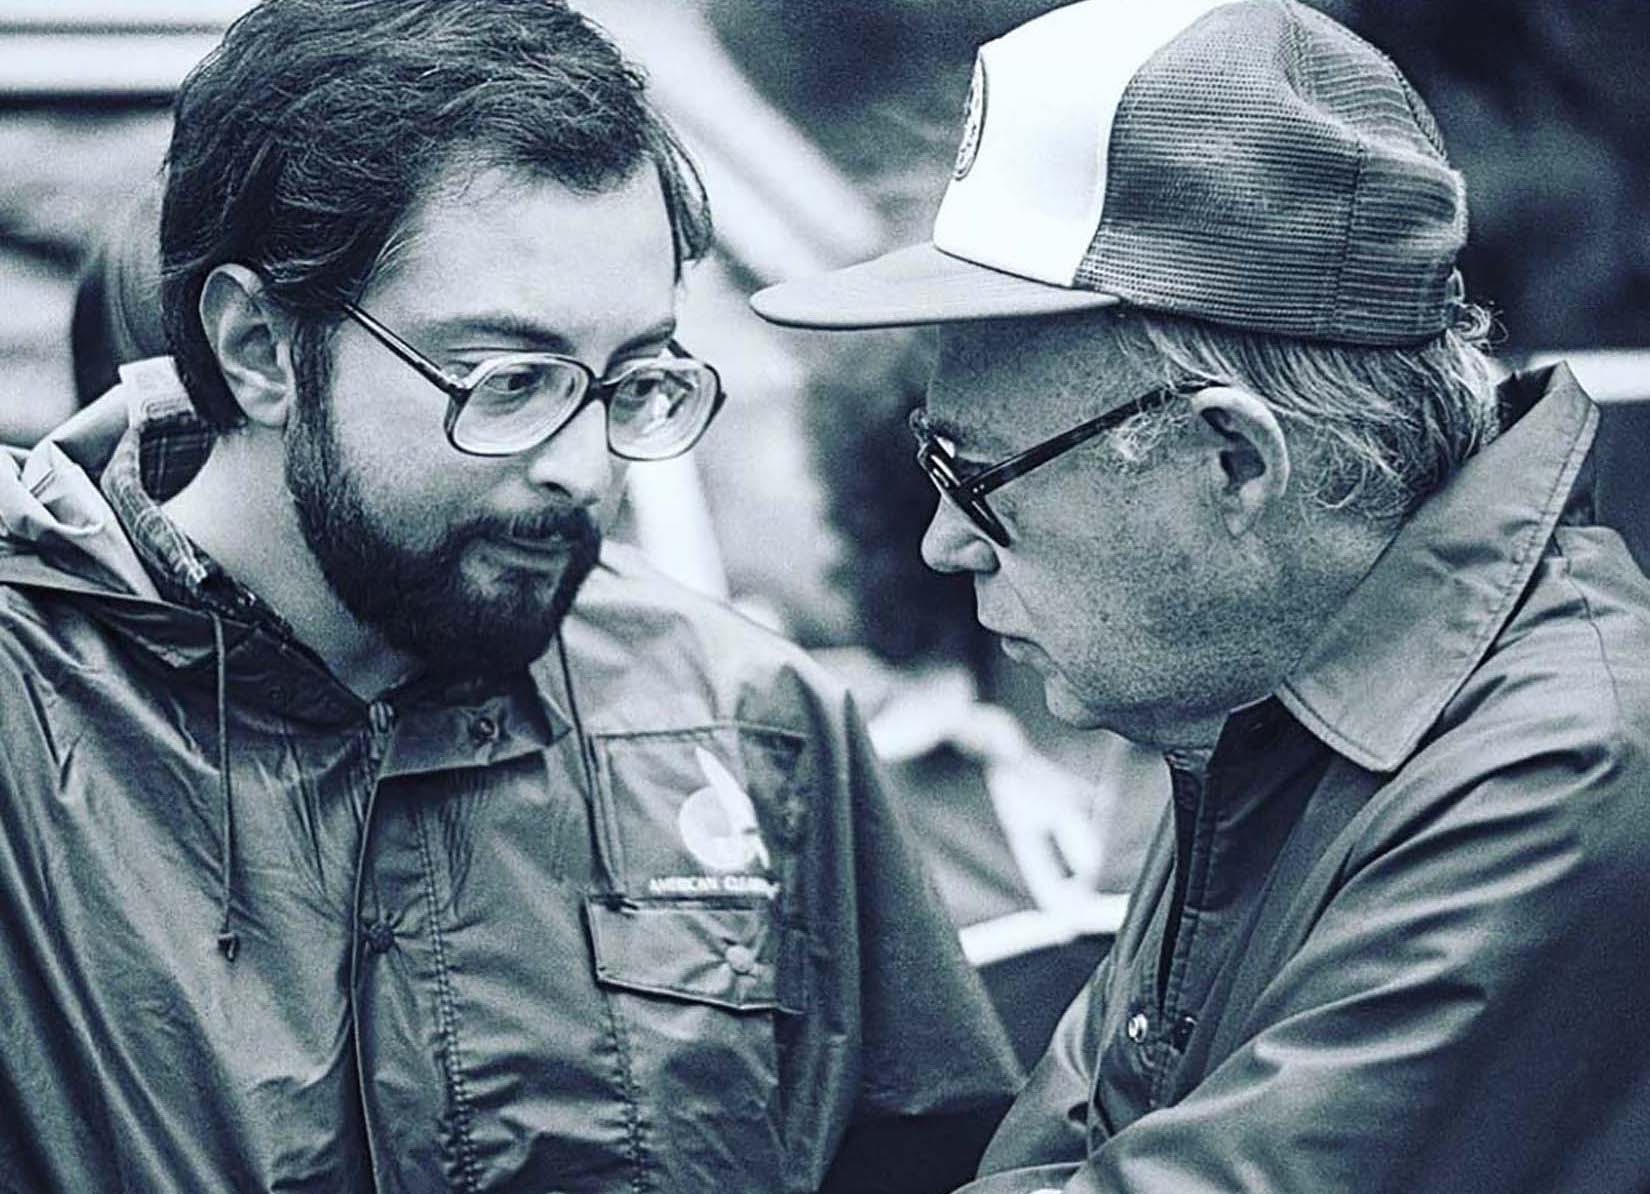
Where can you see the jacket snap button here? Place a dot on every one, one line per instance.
(740, 959)
(380, 937)
(483, 730)
(1138, 1027)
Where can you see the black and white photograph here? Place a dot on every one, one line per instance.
(824, 597)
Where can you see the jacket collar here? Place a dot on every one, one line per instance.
(1415, 628)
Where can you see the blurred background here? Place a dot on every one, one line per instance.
(826, 131)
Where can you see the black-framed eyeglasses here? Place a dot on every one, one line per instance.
(967, 488)
(510, 403)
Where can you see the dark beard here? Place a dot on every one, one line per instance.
(416, 598)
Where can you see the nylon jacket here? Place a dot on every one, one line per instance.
(1430, 975)
(645, 922)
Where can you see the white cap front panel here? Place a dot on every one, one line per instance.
(1031, 174)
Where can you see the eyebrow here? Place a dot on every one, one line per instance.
(509, 325)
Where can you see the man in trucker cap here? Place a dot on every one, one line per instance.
(1223, 453)
(367, 823)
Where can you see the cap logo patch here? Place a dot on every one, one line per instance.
(973, 123)
(718, 821)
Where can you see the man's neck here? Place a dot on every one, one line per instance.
(238, 509)
(1333, 556)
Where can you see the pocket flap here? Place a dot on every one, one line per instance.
(708, 952)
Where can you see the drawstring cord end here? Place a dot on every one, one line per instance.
(229, 941)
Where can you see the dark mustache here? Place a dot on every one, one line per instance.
(557, 524)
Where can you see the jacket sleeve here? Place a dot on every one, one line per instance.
(936, 1071)
(1465, 1014)
(1048, 1122)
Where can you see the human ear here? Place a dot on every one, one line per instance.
(250, 337)
(1248, 457)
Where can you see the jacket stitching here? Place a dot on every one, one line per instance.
(448, 1013)
(698, 730)
(625, 1072)
(1564, 575)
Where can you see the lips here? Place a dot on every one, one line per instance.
(535, 542)
(540, 553)
(1002, 635)
(1023, 650)
(543, 536)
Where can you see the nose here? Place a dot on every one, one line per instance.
(576, 460)
(952, 543)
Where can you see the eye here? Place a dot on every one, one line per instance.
(642, 386)
(514, 381)
(512, 384)
(649, 398)
(965, 467)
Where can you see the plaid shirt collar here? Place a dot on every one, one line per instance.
(160, 453)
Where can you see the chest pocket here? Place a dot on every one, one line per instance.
(697, 941)
(707, 812)
(699, 833)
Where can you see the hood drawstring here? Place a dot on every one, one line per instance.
(229, 941)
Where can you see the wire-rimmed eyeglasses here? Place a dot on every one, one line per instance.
(510, 403)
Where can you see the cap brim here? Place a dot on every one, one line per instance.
(915, 285)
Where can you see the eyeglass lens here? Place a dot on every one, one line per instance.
(655, 410)
(937, 459)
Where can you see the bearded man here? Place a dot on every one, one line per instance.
(335, 852)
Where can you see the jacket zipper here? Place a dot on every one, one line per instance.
(380, 725)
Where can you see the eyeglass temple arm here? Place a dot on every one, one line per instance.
(1016, 466)
(436, 375)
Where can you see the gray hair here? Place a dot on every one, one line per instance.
(1385, 426)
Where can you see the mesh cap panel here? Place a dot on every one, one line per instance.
(1270, 170)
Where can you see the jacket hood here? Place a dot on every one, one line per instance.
(57, 530)
(60, 534)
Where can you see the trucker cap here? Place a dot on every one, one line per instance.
(1251, 163)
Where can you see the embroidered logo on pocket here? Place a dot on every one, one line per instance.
(718, 821)
(699, 813)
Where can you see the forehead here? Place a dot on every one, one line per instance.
(497, 247)
(1000, 383)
